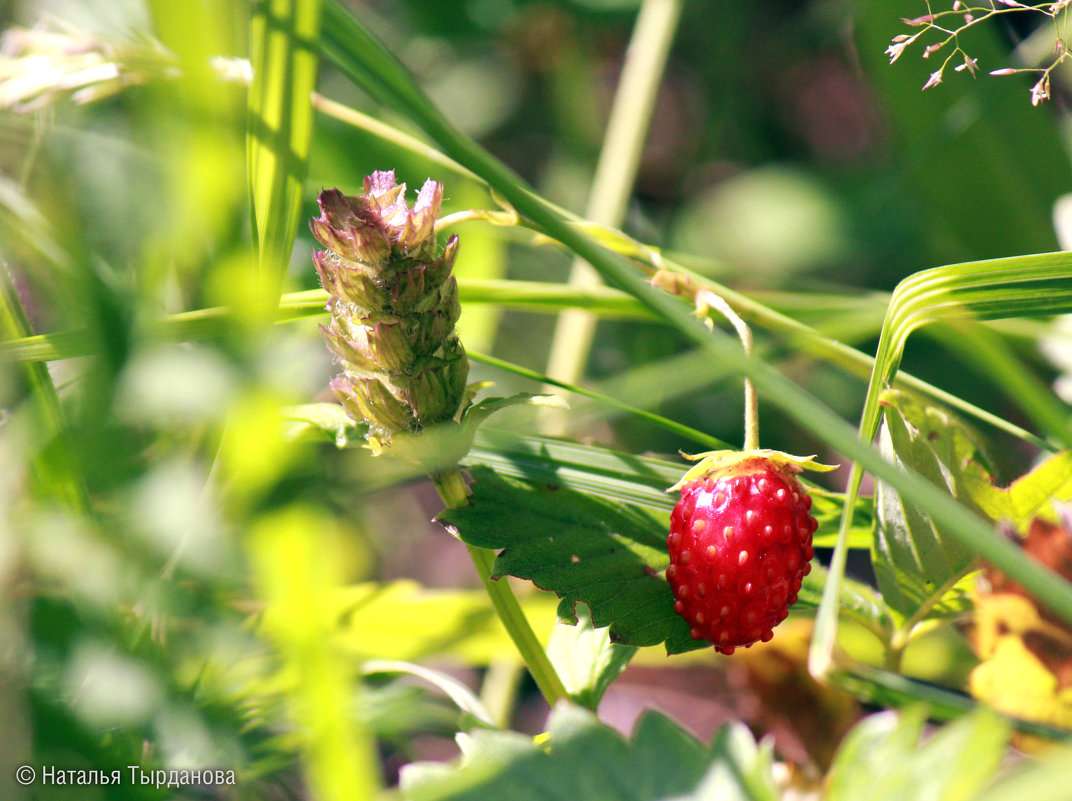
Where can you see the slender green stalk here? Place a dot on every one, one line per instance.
(651, 417)
(627, 128)
(455, 494)
(706, 298)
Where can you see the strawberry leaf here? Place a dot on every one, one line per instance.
(953, 764)
(609, 556)
(586, 659)
(587, 759)
(919, 570)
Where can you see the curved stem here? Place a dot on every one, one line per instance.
(455, 494)
(706, 299)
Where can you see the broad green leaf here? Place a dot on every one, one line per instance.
(586, 659)
(881, 758)
(585, 759)
(917, 567)
(581, 548)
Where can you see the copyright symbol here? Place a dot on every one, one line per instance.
(25, 775)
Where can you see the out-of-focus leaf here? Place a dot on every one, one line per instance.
(882, 758)
(391, 621)
(1034, 494)
(916, 566)
(282, 40)
(1026, 653)
(1049, 778)
(588, 760)
(1014, 679)
(586, 659)
(461, 695)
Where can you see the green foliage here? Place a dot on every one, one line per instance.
(199, 568)
(882, 758)
(586, 659)
(916, 566)
(581, 548)
(582, 758)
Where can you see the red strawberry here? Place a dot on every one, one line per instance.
(740, 545)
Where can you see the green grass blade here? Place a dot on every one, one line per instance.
(656, 419)
(284, 60)
(51, 465)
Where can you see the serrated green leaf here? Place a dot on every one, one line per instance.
(609, 556)
(881, 758)
(586, 759)
(628, 478)
(916, 566)
(586, 659)
(1034, 494)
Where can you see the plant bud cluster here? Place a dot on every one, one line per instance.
(393, 304)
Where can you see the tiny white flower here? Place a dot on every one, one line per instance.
(1041, 90)
(900, 42)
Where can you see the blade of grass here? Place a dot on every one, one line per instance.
(663, 422)
(282, 52)
(50, 465)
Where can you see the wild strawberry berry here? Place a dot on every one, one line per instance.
(740, 545)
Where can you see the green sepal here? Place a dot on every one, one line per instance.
(442, 446)
(326, 418)
(720, 462)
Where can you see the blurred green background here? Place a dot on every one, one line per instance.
(786, 158)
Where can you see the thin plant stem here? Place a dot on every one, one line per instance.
(616, 170)
(707, 299)
(454, 493)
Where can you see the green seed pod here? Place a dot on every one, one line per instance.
(393, 305)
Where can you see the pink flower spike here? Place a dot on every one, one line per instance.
(934, 80)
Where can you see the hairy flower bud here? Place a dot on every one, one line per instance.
(393, 305)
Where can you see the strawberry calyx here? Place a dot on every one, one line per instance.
(712, 463)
